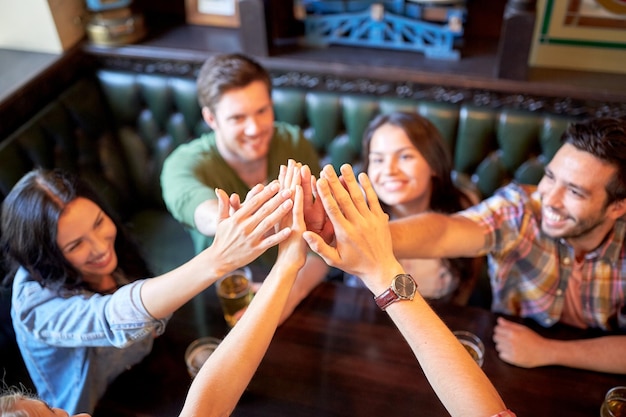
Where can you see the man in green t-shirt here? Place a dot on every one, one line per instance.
(246, 147)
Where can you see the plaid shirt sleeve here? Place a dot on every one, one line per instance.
(501, 216)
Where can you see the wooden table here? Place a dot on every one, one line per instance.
(339, 355)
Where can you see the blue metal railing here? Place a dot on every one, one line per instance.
(386, 31)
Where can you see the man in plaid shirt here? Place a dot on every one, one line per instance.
(556, 251)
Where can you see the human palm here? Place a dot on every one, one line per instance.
(244, 234)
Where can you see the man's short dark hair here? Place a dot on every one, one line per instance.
(222, 73)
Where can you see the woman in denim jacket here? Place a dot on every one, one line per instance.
(80, 311)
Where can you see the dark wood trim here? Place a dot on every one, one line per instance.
(516, 39)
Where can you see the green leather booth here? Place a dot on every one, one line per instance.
(490, 146)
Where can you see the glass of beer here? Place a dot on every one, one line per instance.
(614, 404)
(472, 344)
(234, 291)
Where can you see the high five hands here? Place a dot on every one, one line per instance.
(345, 223)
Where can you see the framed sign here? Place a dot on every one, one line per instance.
(212, 12)
(588, 35)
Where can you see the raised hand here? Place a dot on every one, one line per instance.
(244, 234)
(314, 214)
(362, 239)
(293, 249)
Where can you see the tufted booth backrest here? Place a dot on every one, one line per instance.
(489, 146)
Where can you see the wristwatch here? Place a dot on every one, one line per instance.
(403, 287)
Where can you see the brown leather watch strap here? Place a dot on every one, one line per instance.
(403, 287)
(386, 298)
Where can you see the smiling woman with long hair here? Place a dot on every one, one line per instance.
(81, 307)
(411, 171)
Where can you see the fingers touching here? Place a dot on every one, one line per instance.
(242, 236)
(362, 244)
(339, 217)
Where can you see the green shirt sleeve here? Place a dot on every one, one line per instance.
(183, 181)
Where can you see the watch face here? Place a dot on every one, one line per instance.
(404, 286)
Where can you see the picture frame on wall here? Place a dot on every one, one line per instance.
(586, 35)
(223, 13)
